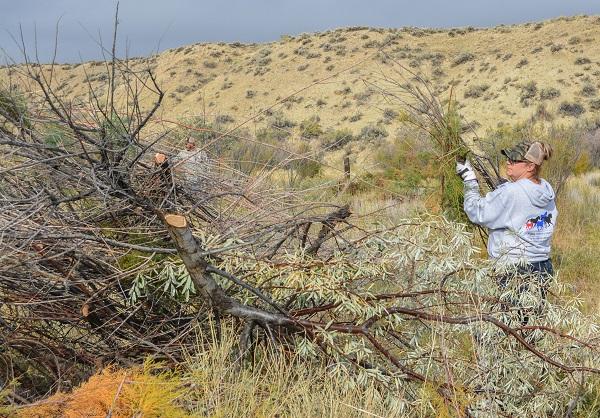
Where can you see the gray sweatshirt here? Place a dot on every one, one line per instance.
(520, 217)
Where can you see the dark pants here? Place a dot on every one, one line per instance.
(540, 272)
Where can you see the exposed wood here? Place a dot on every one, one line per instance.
(176, 221)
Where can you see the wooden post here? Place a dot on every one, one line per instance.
(347, 167)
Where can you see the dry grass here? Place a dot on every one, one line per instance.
(119, 393)
(577, 238)
(215, 382)
(276, 384)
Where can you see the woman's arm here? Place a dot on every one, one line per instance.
(491, 211)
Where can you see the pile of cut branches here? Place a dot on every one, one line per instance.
(111, 253)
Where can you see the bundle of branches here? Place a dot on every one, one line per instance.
(421, 107)
(110, 253)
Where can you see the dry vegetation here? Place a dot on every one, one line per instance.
(502, 75)
(492, 68)
(277, 282)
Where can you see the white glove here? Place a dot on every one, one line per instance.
(465, 171)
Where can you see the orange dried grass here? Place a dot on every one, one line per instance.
(122, 393)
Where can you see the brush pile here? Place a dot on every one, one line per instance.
(108, 256)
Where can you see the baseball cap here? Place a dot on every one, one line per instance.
(526, 151)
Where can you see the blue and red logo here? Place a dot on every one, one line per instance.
(539, 222)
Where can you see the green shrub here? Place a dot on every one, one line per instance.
(311, 128)
(251, 156)
(335, 139)
(371, 44)
(407, 163)
(303, 164)
(372, 133)
(14, 108)
(278, 120)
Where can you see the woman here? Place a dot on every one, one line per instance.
(520, 214)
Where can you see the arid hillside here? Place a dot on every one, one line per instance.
(499, 75)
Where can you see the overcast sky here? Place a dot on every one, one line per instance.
(150, 25)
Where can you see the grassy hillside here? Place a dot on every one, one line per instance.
(500, 75)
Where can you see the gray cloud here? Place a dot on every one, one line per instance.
(153, 24)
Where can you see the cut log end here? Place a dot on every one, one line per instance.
(159, 158)
(176, 221)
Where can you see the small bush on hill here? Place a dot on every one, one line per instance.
(252, 156)
(589, 90)
(528, 93)
(389, 115)
(522, 63)
(280, 121)
(335, 139)
(371, 44)
(476, 91)
(372, 133)
(363, 96)
(595, 104)
(407, 163)
(582, 61)
(549, 93)
(224, 119)
(311, 128)
(463, 58)
(571, 109)
(303, 164)
(355, 118)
